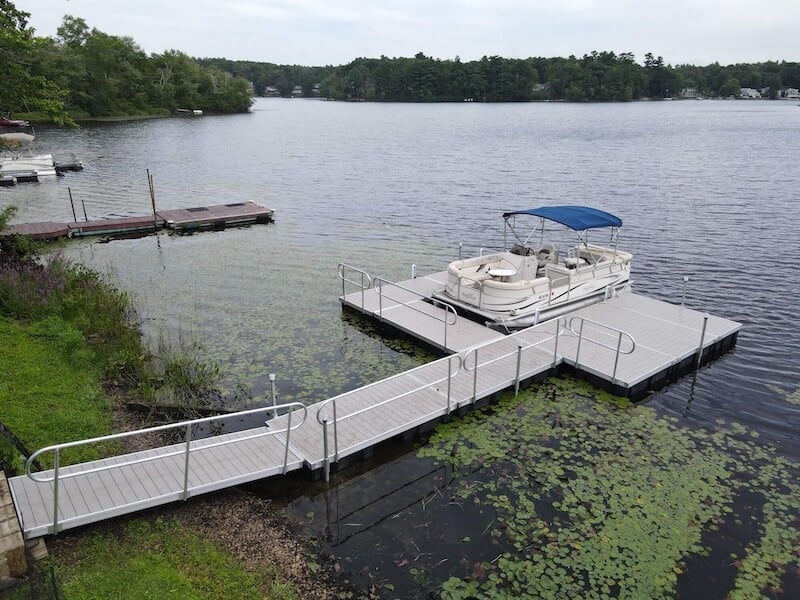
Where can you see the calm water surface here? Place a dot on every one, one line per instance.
(705, 189)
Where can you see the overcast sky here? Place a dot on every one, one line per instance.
(321, 32)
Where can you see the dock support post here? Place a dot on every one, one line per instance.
(702, 341)
(274, 395)
(72, 204)
(460, 249)
(519, 361)
(326, 461)
(413, 271)
(685, 283)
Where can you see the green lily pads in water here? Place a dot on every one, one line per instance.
(593, 497)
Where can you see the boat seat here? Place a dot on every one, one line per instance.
(547, 254)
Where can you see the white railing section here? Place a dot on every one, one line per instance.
(322, 414)
(364, 282)
(187, 450)
(618, 349)
(449, 311)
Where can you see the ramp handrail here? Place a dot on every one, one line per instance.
(186, 451)
(617, 349)
(378, 284)
(322, 419)
(363, 284)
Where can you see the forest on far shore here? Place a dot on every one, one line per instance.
(595, 77)
(84, 73)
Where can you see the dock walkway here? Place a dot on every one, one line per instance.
(182, 219)
(631, 343)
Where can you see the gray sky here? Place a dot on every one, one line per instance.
(320, 32)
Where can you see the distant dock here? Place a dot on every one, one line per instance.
(182, 220)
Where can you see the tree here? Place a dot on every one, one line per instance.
(21, 87)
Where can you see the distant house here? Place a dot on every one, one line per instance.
(297, 92)
(689, 92)
(749, 93)
(315, 89)
(271, 91)
(789, 94)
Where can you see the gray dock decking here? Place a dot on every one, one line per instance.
(483, 362)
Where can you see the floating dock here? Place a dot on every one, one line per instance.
(181, 220)
(630, 343)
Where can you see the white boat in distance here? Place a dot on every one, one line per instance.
(524, 285)
(17, 158)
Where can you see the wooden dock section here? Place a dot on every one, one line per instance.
(181, 220)
(629, 343)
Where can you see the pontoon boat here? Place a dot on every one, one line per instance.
(525, 285)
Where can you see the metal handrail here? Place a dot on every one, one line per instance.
(364, 284)
(617, 350)
(449, 309)
(322, 417)
(186, 451)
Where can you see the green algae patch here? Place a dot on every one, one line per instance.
(592, 497)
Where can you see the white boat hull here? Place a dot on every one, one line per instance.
(39, 164)
(513, 290)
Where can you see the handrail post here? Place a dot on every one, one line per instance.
(555, 344)
(580, 338)
(685, 283)
(475, 379)
(56, 464)
(288, 435)
(446, 312)
(702, 341)
(449, 377)
(274, 396)
(325, 460)
(616, 358)
(335, 433)
(380, 300)
(519, 360)
(186, 462)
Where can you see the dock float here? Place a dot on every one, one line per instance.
(180, 220)
(630, 342)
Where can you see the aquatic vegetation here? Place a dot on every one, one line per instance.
(593, 498)
(791, 397)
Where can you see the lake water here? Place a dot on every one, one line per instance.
(705, 189)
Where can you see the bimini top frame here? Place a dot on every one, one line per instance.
(578, 218)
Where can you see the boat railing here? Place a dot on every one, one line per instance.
(187, 448)
(625, 344)
(328, 415)
(449, 311)
(364, 281)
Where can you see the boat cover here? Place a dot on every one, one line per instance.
(578, 218)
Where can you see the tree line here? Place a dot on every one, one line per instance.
(83, 72)
(597, 77)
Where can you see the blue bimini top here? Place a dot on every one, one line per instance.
(578, 218)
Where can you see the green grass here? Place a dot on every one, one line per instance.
(50, 390)
(160, 559)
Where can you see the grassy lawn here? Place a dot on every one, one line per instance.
(159, 559)
(50, 391)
